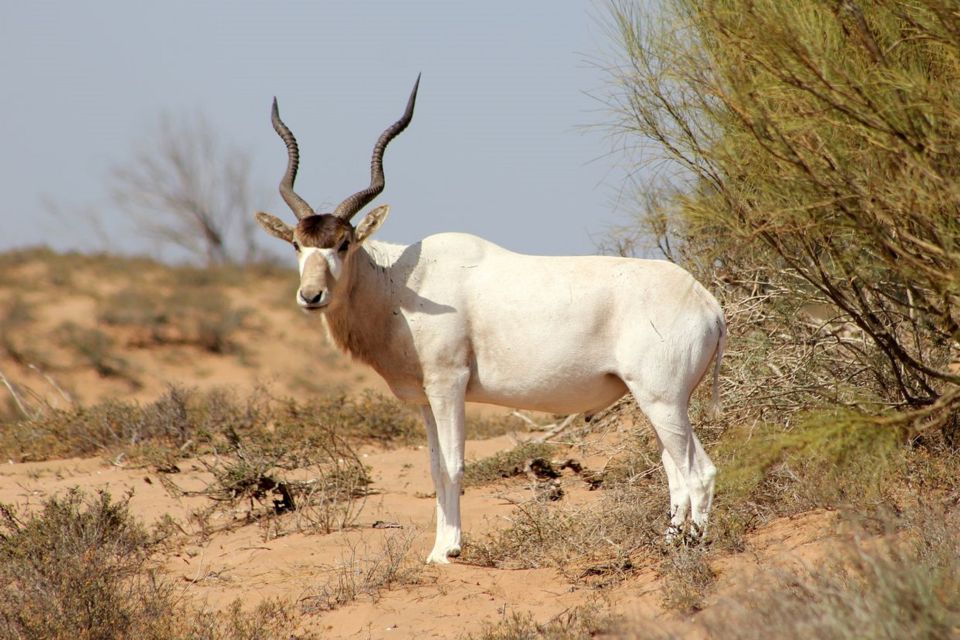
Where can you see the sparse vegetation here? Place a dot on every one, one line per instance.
(184, 422)
(200, 316)
(599, 542)
(581, 623)
(95, 349)
(317, 483)
(687, 577)
(366, 573)
(79, 569)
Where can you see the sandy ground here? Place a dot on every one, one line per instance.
(237, 561)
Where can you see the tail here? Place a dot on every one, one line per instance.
(714, 410)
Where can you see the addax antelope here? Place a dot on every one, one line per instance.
(455, 318)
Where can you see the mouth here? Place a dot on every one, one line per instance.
(306, 307)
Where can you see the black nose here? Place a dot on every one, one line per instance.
(314, 300)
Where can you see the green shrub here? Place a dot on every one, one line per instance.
(811, 164)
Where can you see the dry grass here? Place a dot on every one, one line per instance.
(315, 488)
(491, 426)
(184, 422)
(598, 542)
(366, 572)
(582, 623)
(686, 578)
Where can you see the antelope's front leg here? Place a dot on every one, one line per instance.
(444, 419)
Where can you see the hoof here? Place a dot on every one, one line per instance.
(674, 534)
(443, 556)
(684, 536)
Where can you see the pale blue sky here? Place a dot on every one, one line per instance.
(499, 145)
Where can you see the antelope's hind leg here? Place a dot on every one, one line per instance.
(684, 460)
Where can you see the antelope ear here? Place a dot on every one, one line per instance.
(275, 226)
(371, 222)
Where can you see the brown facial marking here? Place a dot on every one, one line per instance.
(324, 231)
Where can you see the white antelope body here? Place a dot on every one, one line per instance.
(455, 318)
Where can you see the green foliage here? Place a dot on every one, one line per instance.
(815, 157)
(834, 456)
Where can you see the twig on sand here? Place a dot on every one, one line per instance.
(557, 429)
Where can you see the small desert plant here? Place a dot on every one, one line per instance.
(269, 620)
(598, 542)
(581, 623)
(77, 569)
(686, 578)
(365, 572)
(318, 483)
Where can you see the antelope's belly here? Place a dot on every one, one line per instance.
(552, 392)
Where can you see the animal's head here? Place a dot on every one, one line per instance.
(325, 241)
